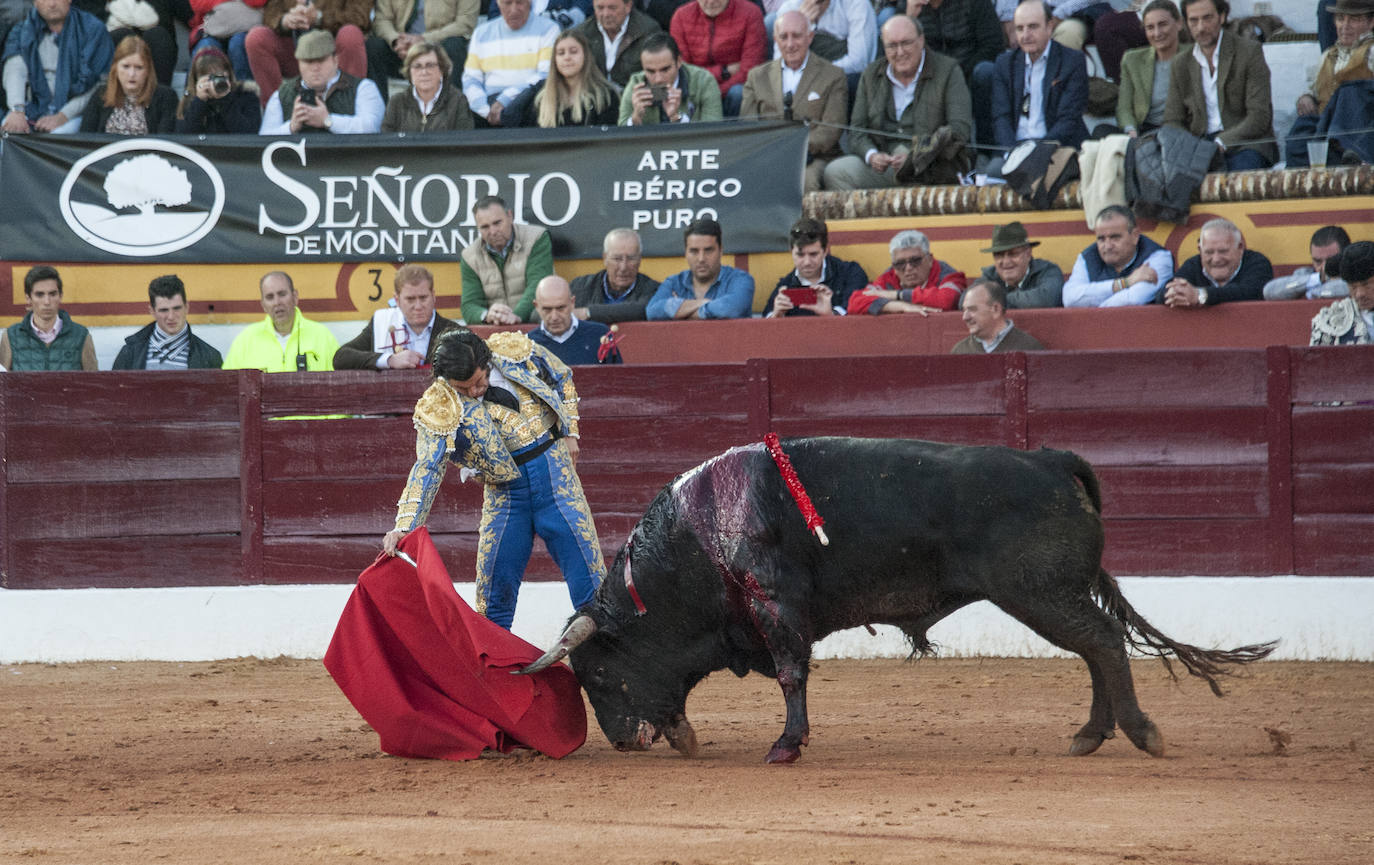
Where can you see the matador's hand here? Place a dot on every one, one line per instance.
(390, 540)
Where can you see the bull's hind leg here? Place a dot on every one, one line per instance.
(1078, 625)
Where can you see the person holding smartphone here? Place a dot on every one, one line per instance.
(324, 98)
(820, 283)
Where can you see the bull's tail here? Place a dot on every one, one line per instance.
(1141, 635)
(1077, 467)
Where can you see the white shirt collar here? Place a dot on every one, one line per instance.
(565, 335)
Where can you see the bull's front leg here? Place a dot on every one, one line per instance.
(797, 731)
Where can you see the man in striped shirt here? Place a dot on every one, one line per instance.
(507, 56)
(167, 343)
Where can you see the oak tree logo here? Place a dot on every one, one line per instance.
(142, 197)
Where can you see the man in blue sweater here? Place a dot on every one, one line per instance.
(571, 339)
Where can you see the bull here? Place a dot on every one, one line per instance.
(722, 572)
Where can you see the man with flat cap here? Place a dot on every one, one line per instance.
(1030, 282)
(323, 98)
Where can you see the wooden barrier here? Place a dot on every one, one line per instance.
(1212, 461)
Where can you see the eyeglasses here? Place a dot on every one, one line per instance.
(904, 263)
(622, 259)
(899, 45)
(428, 66)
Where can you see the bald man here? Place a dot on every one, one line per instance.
(572, 340)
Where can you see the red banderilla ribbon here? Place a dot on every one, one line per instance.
(609, 343)
(794, 486)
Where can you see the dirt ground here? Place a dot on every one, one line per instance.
(960, 761)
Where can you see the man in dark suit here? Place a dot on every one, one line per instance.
(616, 34)
(401, 336)
(1235, 108)
(803, 86)
(1039, 88)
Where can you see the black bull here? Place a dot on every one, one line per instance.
(728, 575)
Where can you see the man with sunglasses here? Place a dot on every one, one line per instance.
(917, 282)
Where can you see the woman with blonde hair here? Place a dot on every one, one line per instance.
(133, 103)
(576, 92)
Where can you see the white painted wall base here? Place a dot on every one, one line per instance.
(1317, 618)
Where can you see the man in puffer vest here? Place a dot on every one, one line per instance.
(47, 338)
(324, 98)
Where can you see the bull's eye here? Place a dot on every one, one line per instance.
(624, 686)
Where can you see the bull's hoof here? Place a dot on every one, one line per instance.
(682, 737)
(1154, 742)
(781, 754)
(1083, 745)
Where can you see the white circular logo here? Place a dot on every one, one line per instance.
(153, 201)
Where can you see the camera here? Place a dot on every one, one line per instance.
(219, 84)
(660, 93)
(307, 96)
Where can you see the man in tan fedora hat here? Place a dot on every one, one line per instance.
(1030, 282)
(323, 98)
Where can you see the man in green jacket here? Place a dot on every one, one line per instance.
(501, 271)
(668, 90)
(47, 338)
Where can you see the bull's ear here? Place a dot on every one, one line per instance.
(577, 632)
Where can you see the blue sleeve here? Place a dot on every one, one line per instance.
(1067, 127)
(736, 298)
(665, 303)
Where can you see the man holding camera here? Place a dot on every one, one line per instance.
(324, 98)
(668, 90)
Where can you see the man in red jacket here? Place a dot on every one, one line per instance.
(917, 281)
(724, 37)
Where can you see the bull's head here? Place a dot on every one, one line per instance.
(635, 699)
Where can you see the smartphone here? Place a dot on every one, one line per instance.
(660, 92)
(307, 96)
(800, 296)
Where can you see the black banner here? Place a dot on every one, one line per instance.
(243, 198)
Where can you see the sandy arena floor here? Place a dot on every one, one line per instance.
(959, 761)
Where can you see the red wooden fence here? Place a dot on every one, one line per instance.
(1213, 461)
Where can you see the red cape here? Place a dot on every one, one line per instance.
(433, 678)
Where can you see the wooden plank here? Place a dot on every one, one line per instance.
(325, 505)
(118, 450)
(381, 448)
(1333, 545)
(1335, 488)
(155, 509)
(1151, 436)
(126, 562)
(1184, 547)
(1331, 433)
(1339, 373)
(758, 399)
(710, 389)
(1183, 491)
(1279, 433)
(864, 387)
(1139, 379)
(343, 391)
(69, 398)
(6, 543)
(251, 513)
(675, 443)
(1015, 381)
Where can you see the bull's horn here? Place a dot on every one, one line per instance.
(577, 632)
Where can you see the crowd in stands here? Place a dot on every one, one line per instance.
(898, 92)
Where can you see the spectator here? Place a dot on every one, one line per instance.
(286, 22)
(984, 306)
(284, 341)
(501, 273)
(324, 98)
(1350, 320)
(57, 55)
(571, 340)
(1221, 91)
(508, 55)
(832, 279)
(1039, 88)
(617, 292)
(1122, 268)
(434, 102)
(724, 37)
(706, 289)
(666, 90)
(1319, 280)
(167, 342)
(1222, 271)
(46, 338)
(214, 101)
(845, 31)
(133, 102)
(11, 13)
(528, 471)
(1145, 70)
(565, 14)
(1027, 281)
(616, 35)
(1079, 22)
(404, 334)
(400, 25)
(150, 20)
(1350, 59)
(911, 96)
(233, 38)
(967, 31)
(917, 282)
(799, 84)
(575, 93)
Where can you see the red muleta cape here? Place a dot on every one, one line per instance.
(433, 677)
